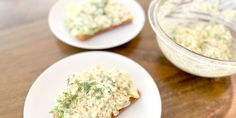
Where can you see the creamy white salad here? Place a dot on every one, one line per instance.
(95, 93)
(191, 29)
(94, 15)
(211, 40)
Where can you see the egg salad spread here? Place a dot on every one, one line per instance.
(95, 15)
(195, 26)
(96, 93)
(211, 40)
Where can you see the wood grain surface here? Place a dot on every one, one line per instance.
(27, 48)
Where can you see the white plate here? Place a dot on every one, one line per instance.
(43, 93)
(106, 40)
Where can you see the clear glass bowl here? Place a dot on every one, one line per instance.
(185, 59)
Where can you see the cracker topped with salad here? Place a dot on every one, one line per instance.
(96, 93)
(94, 17)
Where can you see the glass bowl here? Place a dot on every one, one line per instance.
(185, 59)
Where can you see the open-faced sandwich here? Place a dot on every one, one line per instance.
(94, 17)
(96, 93)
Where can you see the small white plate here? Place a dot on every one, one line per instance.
(43, 93)
(105, 40)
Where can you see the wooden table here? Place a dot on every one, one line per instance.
(27, 48)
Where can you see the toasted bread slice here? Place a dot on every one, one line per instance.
(85, 37)
(132, 101)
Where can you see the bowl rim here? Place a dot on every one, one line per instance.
(153, 6)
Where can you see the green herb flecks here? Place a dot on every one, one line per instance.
(85, 86)
(98, 92)
(69, 98)
(59, 113)
(98, 97)
(66, 102)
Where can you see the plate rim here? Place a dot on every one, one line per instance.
(86, 52)
(92, 47)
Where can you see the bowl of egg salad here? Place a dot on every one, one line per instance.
(197, 36)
